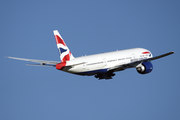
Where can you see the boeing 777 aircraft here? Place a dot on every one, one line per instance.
(102, 65)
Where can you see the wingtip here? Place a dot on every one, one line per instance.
(9, 57)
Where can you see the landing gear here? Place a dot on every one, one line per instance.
(107, 75)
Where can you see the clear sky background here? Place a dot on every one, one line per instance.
(88, 27)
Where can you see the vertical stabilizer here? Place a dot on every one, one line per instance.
(65, 53)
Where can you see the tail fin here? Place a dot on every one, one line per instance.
(65, 54)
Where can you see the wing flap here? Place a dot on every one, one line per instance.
(46, 65)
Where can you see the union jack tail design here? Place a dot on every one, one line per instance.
(65, 54)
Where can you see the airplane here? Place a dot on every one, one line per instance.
(102, 65)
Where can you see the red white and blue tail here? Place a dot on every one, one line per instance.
(65, 54)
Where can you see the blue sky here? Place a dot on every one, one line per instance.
(88, 27)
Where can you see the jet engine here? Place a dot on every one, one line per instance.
(144, 68)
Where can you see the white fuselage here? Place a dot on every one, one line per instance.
(102, 65)
(102, 62)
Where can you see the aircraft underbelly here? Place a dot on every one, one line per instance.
(88, 69)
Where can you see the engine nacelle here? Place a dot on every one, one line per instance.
(60, 66)
(144, 68)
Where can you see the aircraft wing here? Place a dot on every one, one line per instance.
(134, 64)
(160, 56)
(42, 62)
